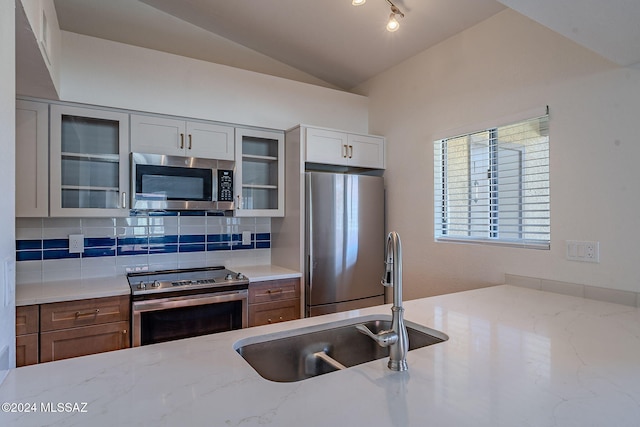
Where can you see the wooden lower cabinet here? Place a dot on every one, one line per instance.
(27, 327)
(274, 301)
(74, 342)
(61, 330)
(26, 349)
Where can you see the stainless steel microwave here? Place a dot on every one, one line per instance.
(160, 182)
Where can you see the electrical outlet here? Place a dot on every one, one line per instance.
(583, 251)
(76, 243)
(246, 237)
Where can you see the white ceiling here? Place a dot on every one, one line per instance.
(331, 42)
(321, 40)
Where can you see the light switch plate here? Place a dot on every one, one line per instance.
(76, 243)
(578, 250)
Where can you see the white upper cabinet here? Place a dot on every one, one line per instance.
(344, 149)
(89, 161)
(175, 137)
(259, 180)
(32, 159)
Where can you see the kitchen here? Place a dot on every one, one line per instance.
(592, 101)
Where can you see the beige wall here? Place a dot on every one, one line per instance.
(503, 66)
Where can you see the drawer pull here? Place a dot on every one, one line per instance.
(274, 291)
(88, 313)
(271, 321)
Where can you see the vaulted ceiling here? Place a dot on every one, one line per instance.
(331, 42)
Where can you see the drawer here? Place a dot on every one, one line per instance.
(27, 319)
(274, 290)
(72, 314)
(274, 312)
(26, 350)
(57, 345)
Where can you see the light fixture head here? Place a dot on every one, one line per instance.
(358, 2)
(393, 23)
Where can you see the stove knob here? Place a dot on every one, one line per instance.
(142, 285)
(156, 284)
(228, 277)
(240, 276)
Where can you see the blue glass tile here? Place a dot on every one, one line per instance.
(133, 250)
(163, 239)
(192, 213)
(237, 247)
(215, 213)
(191, 248)
(55, 243)
(263, 236)
(191, 238)
(163, 249)
(99, 242)
(98, 252)
(263, 245)
(28, 244)
(58, 254)
(218, 247)
(218, 237)
(236, 237)
(132, 240)
(28, 255)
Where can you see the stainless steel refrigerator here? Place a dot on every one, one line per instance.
(344, 242)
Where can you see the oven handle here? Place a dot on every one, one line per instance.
(188, 301)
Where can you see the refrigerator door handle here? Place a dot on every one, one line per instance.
(309, 236)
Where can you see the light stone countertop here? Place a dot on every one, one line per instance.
(515, 357)
(261, 273)
(68, 290)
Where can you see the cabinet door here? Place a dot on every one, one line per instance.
(326, 146)
(366, 151)
(85, 312)
(158, 135)
(89, 162)
(26, 350)
(259, 186)
(210, 141)
(66, 343)
(274, 312)
(32, 159)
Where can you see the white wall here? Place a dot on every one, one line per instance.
(504, 65)
(7, 172)
(97, 71)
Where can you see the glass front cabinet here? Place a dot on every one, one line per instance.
(259, 183)
(89, 173)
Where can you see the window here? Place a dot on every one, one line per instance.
(492, 186)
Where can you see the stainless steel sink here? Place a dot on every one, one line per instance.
(308, 352)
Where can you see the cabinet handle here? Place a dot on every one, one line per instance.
(189, 141)
(124, 200)
(344, 151)
(239, 203)
(280, 319)
(181, 141)
(350, 151)
(274, 291)
(88, 313)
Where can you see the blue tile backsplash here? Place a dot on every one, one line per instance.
(115, 245)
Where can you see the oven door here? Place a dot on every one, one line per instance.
(166, 319)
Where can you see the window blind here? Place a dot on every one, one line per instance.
(492, 186)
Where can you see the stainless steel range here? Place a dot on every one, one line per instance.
(174, 304)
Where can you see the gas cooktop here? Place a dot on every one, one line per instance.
(204, 279)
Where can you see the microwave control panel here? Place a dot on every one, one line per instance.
(225, 185)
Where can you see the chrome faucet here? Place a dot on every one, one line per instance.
(395, 338)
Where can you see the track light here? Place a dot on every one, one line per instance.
(392, 24)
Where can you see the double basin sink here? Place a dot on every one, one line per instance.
(308, 352)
